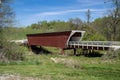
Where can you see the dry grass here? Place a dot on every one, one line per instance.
(16, 77)
(72, 63)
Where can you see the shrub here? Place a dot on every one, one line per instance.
(111, 54)
(118, 53)
(11, 51)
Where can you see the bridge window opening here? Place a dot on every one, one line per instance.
(76, 37)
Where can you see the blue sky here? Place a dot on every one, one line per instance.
(32, 11)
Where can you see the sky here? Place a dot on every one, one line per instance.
(32, 11)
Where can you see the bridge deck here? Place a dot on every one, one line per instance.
(97, 45)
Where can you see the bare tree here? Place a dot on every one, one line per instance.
(6, 16)
(76, 23)
(6, 13)
(6, 20)
(8, 51)
(114, 19)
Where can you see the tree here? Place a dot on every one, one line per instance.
(6, 17)
(75, 23)
(114, 19)
(109, 25)
(8, 50)
(6, 13)
(61, 26)
(44, 26)
(34, 26)
(101, 26)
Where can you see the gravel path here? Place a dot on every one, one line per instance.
(16, 77)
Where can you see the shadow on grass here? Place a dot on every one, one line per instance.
(94, 54)
(40, 50)
(91, 54)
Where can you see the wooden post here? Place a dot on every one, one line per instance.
(62, 51)
(29, 48)
(74, 51)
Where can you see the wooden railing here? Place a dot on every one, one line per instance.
(110, 44)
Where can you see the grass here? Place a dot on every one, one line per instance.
(42, 67)
(72, 68)
(20, 33)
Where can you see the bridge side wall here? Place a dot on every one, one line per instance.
(55, 39)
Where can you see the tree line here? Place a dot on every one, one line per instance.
(100, 28)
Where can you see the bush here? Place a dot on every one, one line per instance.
(11, 51)
(111, 54)
(118, 53)
(92, 34)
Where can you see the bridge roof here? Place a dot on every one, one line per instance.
(55, 33)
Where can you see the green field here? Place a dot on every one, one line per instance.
(67, 68)
(19, 33)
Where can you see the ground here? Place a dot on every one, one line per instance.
(57, 67)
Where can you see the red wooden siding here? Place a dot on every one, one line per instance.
(55, 39)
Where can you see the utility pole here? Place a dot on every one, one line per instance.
(0, 2)
(88, 14)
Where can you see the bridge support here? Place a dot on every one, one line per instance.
(74, 51)
(86, 52)
(62, 51)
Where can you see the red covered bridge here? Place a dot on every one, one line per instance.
(54, 39)
(69, 40)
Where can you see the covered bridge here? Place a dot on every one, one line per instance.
(69, 40)
(55, 39)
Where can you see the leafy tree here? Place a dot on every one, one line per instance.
(61, 26)
(101, 26)
(34, 26)
(44, 26)
(92, 34)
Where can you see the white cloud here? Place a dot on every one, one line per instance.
(54, 15)
(90, 2)
(67, 12)
(84, 1)
(61, 12)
